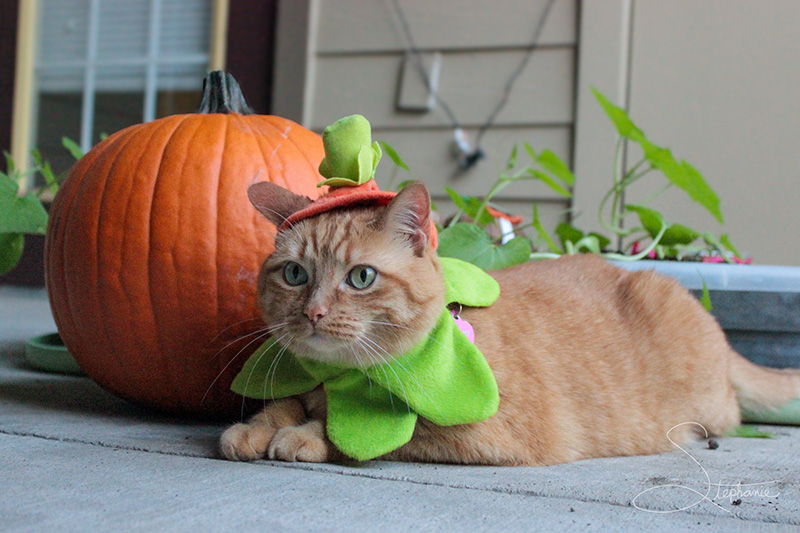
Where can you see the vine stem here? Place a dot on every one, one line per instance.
(644, 253)
(630, 178)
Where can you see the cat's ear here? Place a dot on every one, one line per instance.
(409, 214)
(275, 202)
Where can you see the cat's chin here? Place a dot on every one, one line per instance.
(324, 348)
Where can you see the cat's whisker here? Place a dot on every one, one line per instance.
(387, 363)
(260, 331)
(376, 362)
(359, 363)
(273, 369)
(399, 326)
(223, 330)
(249, 376)
(229, 363)
(290, 235)
(393, 361)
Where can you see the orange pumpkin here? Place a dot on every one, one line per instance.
(153, 249)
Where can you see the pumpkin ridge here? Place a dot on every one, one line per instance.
(242, 122)
(133, 316)
(177, 133)
(217, 255)
(283, 138)
(86, 183)
(55, 255)
(100, 292)
(314, 166)
(257, 139)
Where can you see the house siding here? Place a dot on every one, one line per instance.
(354, 61)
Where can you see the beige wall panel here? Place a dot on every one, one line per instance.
(718, 82)
(364, 25)
(602, 63)
(471, 84)
(428, 154)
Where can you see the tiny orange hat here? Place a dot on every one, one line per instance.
(349, 166)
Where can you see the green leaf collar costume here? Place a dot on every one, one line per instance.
(373, 411)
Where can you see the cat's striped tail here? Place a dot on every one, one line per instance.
(759, 388)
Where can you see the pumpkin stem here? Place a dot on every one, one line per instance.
(222, 94)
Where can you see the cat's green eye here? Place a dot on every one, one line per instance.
(294, 274)
(361, 277)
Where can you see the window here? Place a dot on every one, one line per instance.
(102, 65)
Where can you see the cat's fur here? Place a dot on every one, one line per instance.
(590, 360)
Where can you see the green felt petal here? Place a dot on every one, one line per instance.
(365, 421)
(376, 149)
(445, 378)
(467, 284)
(337, 182)
(365, 168)
(272, 373)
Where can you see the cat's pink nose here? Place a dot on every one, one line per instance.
(316, 313)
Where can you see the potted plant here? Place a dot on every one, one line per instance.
(757, 306)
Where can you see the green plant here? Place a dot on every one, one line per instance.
(20, 215)
(650, 235)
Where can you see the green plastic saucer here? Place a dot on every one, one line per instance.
(48, 353)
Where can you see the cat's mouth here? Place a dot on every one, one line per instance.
(325, 342)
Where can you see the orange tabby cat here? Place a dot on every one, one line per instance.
(590, 360)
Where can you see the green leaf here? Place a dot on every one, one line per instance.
(470, 206)
(11, 246)
(46, 171)
(394, 156)
(602, 240)
(512, 159)
(684, 176)
(726, 242)
(472, 244)
(537, 225)
(11, 167)
(72, 147)
(652, 220)
(20, 214)
(550, 182)
(714, 243)
(749, 432)
(590, 243)
(530, 150)
(568, 233)
(619, 117)
(705, 298)
(555, 166)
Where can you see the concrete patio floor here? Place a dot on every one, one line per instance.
(73, 457)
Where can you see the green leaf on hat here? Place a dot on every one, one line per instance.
(350, 155)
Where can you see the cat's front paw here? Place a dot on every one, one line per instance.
(304, 443)
(246, 442)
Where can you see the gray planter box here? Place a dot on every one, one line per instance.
(757, 306)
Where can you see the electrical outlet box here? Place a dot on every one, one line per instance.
(415, 94)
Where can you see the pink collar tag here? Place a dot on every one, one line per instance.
(464, 326)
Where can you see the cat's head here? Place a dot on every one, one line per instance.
(355, 286)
